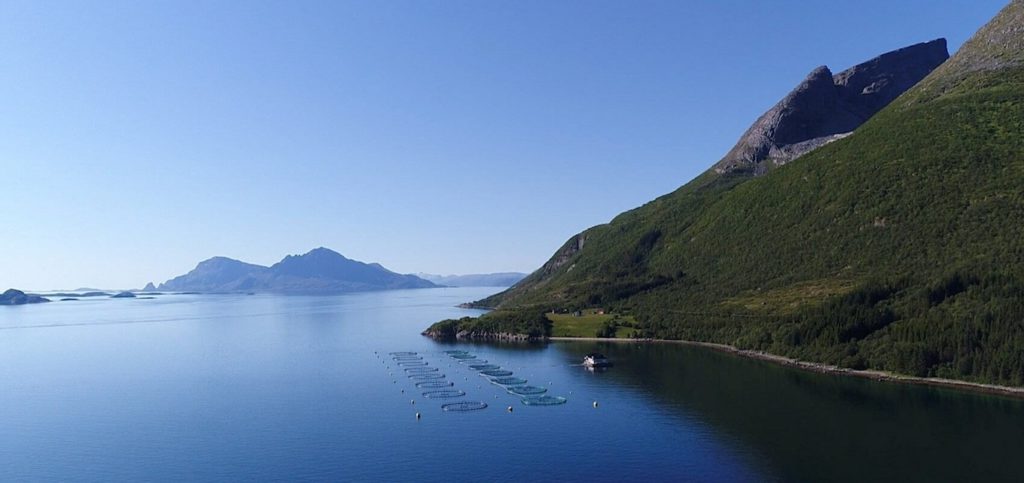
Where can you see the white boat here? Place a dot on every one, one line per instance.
(596, 360)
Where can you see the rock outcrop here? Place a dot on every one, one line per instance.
(827, 107)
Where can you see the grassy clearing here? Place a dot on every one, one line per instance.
(786, 300)
(589, 324)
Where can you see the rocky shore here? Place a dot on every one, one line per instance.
(480, 336)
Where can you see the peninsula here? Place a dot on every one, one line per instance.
(894, 247)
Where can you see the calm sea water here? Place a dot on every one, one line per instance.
(189, 387)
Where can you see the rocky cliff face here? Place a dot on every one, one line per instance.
(826, 107)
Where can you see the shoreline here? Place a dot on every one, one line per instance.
(885, 376)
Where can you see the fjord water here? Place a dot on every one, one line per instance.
(214, 387)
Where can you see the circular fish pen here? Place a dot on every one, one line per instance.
(509, 381)
(527, 390)
(464, 406)
(435, 384)
(543, 400)
(444, 394)
(462, 356)
(496, 373)
(484, 367)
(470, 362)
(426, 377)
(455, 352)
(420, 370)
(407, 358)
(402, 353)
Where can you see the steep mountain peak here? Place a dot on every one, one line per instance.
(323, 252)
(218, 260)
(825, 107)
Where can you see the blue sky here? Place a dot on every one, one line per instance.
(138, 138)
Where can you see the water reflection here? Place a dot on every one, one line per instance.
(815, 427)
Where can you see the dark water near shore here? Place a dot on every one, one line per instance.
(198, 388)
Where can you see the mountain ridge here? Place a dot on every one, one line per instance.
(896, 248)
(757, 150)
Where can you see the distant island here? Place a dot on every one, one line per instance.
(320, 271)
(501, 279)
(17, 297)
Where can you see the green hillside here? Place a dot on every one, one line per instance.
(898, 248)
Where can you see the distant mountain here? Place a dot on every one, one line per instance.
(501, 279)
(319, 271)
(17, 297)
(149, 287)
(218, 274)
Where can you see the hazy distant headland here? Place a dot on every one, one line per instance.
(320, 271)
(501, 279)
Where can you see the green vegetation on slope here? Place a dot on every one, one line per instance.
(591, 323)
(898, 248)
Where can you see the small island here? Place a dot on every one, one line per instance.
(17, 297)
